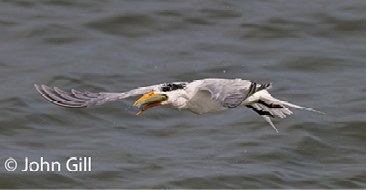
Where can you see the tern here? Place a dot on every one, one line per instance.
(200, 97)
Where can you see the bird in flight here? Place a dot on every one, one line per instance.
(200, 97)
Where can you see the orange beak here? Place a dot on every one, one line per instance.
(150, 100)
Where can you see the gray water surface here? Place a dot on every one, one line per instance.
(313, 51)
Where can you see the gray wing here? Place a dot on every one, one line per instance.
(76, 99)
(231, 93)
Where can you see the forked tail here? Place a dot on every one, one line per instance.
(268, 107)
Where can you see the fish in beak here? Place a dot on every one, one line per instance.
(150, 100)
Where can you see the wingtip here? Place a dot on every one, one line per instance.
(38, 88)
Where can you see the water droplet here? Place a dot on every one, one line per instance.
(224, 71)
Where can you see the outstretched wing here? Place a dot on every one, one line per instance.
(76, 99)
(231, 93)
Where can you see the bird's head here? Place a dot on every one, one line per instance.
(150, 100)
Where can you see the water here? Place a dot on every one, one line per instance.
(313, 52)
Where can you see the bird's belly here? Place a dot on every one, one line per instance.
(201, 103)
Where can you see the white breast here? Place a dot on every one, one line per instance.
(198, 102)
(201, 103)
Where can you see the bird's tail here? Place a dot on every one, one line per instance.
(267, 107)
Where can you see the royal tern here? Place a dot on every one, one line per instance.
(200, 97)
